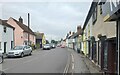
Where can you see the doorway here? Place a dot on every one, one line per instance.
(5, 44)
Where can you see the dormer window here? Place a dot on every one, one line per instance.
(5, 29)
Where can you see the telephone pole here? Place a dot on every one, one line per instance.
(28, 28)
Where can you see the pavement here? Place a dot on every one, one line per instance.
(82, 64)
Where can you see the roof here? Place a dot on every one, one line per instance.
(39, 35)
(24, 27)
(93, 6)
(4, 23)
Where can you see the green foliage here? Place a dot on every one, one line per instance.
(37, 45)
(47, 42)
(53, 41)
(33, 46)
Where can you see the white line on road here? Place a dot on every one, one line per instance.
(66, 67)
(72, 58)
(73, 65)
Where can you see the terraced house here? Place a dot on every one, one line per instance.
(111, 13)
(99, 39)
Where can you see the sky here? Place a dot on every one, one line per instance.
(54, 18)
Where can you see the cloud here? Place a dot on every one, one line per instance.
(55, 19)
(46, 0)
(0, 10)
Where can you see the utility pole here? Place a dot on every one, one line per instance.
(28, 28)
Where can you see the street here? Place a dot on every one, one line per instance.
(41, 61)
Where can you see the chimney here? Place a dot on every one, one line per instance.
(69, 32)
(73, 33)
(78, 28)
(20, 20)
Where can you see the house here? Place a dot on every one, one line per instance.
(77, 39)
(23, 34)
(71, 40)
(111, 13)
(99, 39)
(40, 39)
(6, 36)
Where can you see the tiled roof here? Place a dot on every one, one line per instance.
(24, 27)
(4, 22)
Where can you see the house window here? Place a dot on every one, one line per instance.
(12, 44)
(25, 43)
(26, 35)
(94, 16)
(5, 29)
(33, 37)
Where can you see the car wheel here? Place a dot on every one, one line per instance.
(1, 59)
(30, 53)
(22, 55)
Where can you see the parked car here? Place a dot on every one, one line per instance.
(62, 46)
(1, 58)
(52, 45)
(46, 47)
(58, 45)
(20, 51)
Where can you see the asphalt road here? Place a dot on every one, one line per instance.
(41, 61)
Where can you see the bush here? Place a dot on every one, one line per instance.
(37, 45)
(33, 46)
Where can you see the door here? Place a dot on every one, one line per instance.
(111, 59)
(5, 43)
(25, 50)
(28, 49)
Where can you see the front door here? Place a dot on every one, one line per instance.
(5, 47)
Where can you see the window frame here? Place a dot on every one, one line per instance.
(5, 29)
(94, 15)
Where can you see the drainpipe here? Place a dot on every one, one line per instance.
(118, 43)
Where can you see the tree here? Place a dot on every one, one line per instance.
(47, 42)
(53, 41)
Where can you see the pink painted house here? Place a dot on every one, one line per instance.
(21, 32)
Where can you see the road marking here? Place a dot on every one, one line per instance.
(73, 64)
(72, 58)
(66, 67)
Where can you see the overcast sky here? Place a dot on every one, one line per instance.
(55, 19)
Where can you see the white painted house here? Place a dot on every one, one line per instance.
(6, 36)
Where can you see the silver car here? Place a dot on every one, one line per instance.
(46, 47)
(20, 51)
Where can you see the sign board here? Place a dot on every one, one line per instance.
(110, 8)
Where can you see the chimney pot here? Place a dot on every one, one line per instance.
(20, 20)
